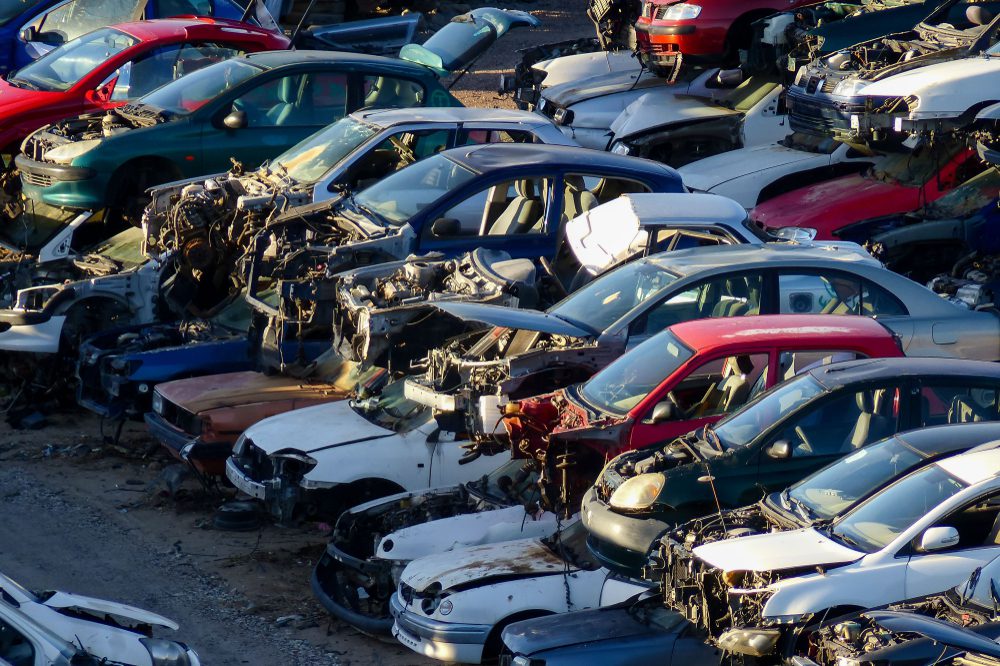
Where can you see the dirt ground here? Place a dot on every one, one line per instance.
(127, 523)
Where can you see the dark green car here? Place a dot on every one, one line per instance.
(250, 108)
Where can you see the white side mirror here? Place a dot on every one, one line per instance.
(936, 538)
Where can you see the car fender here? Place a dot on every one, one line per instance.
(867, 583)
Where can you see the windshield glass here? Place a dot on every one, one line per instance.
(61, 68)
(237, 314)
(570, 543)
(399, 196)
(874, 524)
(192, 91)
(740, 428)
(10, 9)
(607, 299)
(392, 410)
(307, 161)
(125, 247)
(911, 169)
(514, 481)
(834, 489)
(39, 222)
(623, 384)
(969, 197)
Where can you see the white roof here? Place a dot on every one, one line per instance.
(973, 467)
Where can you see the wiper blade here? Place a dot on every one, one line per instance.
(804, 511)
(23, 83)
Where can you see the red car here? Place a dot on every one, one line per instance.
(109, 66)
(897, 183)
(681, 379)
(702, 30)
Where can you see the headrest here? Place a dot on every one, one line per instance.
(978, 15)
(866, 402)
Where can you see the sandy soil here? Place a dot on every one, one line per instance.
(86, 517)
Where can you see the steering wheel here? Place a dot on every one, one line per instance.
(547, 267)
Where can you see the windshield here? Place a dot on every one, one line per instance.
(11, 9)
(514, 481)
(236, 316)
(740, 428)
(192, 91)
(608, 298)
(623, 384)
(969, 197)
(874, 524)
(61, 68)
(834, 489)
(39, 222)
(911, 169)
(307, 161)
(125, 247)
(570, 544)
(399, 196)
(392, 410)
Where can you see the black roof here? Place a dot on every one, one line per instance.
(840, 374)
(935, 440)
(490, 156)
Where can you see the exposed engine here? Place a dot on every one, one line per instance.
(974, 281)
(90, 126)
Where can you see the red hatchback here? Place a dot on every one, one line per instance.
(681, 379)
(107, 67)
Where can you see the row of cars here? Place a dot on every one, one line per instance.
(510, 369)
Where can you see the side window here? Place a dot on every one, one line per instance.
(834, 293)
(977, 524)
(397, 151)
(509, 207)
(146, 73)
(15, 648)
(723, 296)
(581, 192)
(170, 8)
(791, 363)
(719, 386)
(846, 422)
(78, 17)
(952, 403)
(468, 137)
(314, 98)
(691, 239)
(386, 92)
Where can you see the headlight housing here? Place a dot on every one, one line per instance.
(682, 11)
(752, 642)
(639, 492)
(166, 653)
(850, 87)
(621, 148)
(66, 153)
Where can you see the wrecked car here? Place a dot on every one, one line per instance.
(446, 606)
(354, 581)
(54, 627)
(834, 94)
(760, 595)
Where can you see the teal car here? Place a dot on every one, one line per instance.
(248, 109)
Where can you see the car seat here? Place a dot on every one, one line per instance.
(521, 214)
(738, 304)
(282, 112)
(871, 425)
(577, 199)
(963, 410)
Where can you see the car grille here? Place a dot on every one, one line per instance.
(811, 116)
(36, 179)
(179, 418)
(406, 593)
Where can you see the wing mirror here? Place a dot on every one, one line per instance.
(936, 538)
(663, 411)
(445, 226)
(28, 34)
(779, 450)
(236, 119)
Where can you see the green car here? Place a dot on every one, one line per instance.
(249, 109)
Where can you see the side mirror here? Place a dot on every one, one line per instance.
(28, 34)
(779, 450)
(663, 411)
(445, 226)
(936, 538)
(236, 119)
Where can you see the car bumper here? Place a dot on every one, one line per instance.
(820, 114)
(59, 185)
(696, 40)
(42, 337)
(243, 482)
(444, 641)
(323, 582)
(619, 541)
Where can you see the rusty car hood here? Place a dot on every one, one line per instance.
(199, 394)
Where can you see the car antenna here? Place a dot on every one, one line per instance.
(710, 480)
(302, 20)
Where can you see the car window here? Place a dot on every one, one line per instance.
(791, 363)
(719, 386)
(61, 68)
(722, 296)
(957, 403)
(834, 293)
(187, 95)
(401, 195)
(388, 92)
(296, 100)
(507, 208)
(79, 17)
(977, 524)
(162, 65)
(684, 239)
(581, 192)
(843, 423)
(169, 8)
(15, 648)
(468, 137)
(395, 152)
(11, 9)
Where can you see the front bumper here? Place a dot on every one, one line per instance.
(244, 482)
(692, 38)
(371, 573)
(819, 113)
(620, 542)
(42, 337)
(444, 641)
(59, 185)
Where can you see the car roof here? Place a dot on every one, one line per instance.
(181, 27)
(284, 58)
(455, 114)
(949, 437)
(848, 372)
(974, 466)
(817, 254)
(490, 156)
(795, 331)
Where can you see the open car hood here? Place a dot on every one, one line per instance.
(529, 320)
(939, 631)
(124, 614)
(465, 38)
(776, 551)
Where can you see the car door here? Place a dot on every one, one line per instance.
(446, 468)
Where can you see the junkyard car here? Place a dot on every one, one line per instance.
(781, 436)
(56, 627)
(646, 626)
(354, 581)
(925, 533)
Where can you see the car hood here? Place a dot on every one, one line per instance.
(776, 551)
(714, 171)
(65, 602)
(465, 38)
(308, 429)
(946, 83)
(580, 66)
(16, 100)
(939, 631)
(568, 94)
(529, 320)
(524, 558)
(233, 389)
(662, 107)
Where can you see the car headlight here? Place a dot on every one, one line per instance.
(166, 653)
(752, 642)
(639, 492)
(157, 403)
(621, 148)
(68, 152)
(850, 87)
(682, 11)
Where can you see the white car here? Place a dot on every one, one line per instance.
(752, 175)
(923, 534)
(63, 628)
(452, 606)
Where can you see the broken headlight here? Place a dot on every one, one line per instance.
(752, 642)
(639, 492)
(166, 653)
